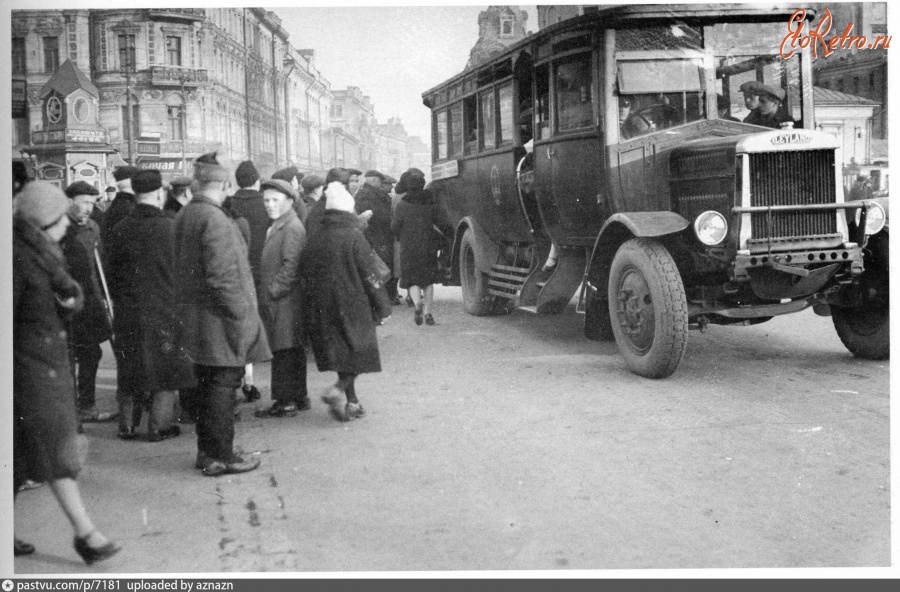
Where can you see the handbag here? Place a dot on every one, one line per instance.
(378, 267)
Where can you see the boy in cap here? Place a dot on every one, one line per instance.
(178, 195)
(355, 180)
(769, 112)
(218, 305)
(147, 326)
(89, 328)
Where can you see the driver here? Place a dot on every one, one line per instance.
(631, 123)
(769, 112)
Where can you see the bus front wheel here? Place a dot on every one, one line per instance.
(648, 308)
(476, 298)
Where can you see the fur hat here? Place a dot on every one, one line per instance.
(207, 168)
(246, 174)
(124, 172)
(311, 181)
(279, 185)
(146, 181)
(181, 182)
(42, 203)
(80, 188)
(338, 198)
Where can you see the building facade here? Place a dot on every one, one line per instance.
(176, 83)
(498, 28)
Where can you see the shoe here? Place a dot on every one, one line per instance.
(429, 320)
(29, 484)
(90, 554)
(417, 316)
(20, 548)
(94, 416)
(334, 398)
(203, 459)
(251, 393)
(160, 435)
(236, 465)
(278, 410)
(409, 300)
(304, 404)
(354, 411)
(127, 433)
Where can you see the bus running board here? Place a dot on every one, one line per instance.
(506, 281)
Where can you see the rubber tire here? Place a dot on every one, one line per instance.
(647, 266)
(866, 332)
(476, 298)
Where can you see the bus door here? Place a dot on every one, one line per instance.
(568, 155)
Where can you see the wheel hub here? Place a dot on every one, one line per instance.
(635, 310)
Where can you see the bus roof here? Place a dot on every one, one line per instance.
(615, 15)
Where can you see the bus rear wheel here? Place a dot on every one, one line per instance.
(477, 299)
(865, 331)
(648, 308)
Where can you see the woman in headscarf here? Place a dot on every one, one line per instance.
(343, 297)
(46, 442)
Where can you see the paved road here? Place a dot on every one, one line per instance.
(513, 443)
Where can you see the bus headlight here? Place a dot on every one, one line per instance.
(875, 217)
(710, 228)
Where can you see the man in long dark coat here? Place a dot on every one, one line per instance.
(124, 201)
(217, 300)
(89, 328)
(149, 333)
(371, 196)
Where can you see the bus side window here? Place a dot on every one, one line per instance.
(542, 101)
(574, 103)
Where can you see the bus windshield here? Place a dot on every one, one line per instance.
(665, 75)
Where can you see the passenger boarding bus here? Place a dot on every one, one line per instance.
(635, 144)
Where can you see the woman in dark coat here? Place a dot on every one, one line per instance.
(343, 297)
(415, 225)
(46, 442)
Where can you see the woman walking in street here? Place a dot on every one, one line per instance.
(343, 297)
(46, 442)
(415, 225)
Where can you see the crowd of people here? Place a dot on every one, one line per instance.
(192, 284)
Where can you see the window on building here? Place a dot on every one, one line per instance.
(506, 26)
(826, 84)
(51, 54)
(127, 52)
(840, 85)
(175, 124)
(872, 80)
(173, 50)
(337, 111)
(18, 55)
(855, 85)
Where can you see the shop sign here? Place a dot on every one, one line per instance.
(86, 136)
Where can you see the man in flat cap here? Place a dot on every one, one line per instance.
(279, 300)
(217, 302)
(83, 248)
(124, 201)
(178, 195)
(372, 196)
(764, 102)
(149, 333)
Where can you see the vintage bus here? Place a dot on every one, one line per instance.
(618, 140)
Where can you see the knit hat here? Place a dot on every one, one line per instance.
(124, 172)
(287, 174)
(338, 198)
(246, 174)
(311, 181)
(80, 188)
(207, 168)
(279, 185)
(41, 203)
(146, 181)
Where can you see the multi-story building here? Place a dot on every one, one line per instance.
(498, 28)
(175, 83)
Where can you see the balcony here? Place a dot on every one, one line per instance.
(175, 76)
(184, 15)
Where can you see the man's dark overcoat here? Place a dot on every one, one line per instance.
(121, 206)
(215, 291)
(148, 330)
(378, 229)
(343, 298)
(248, 203)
